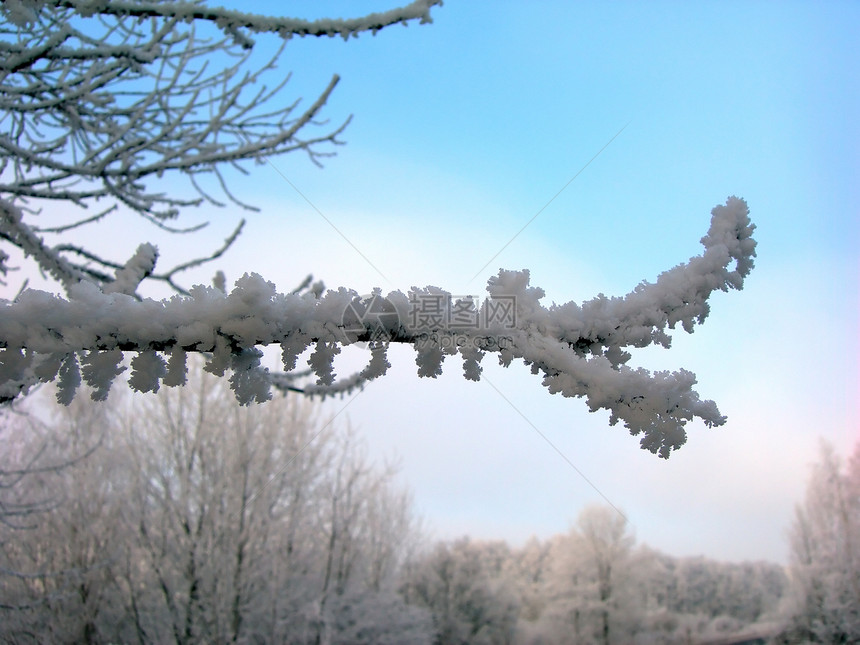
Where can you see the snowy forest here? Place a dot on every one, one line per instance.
(184, 517)
(211, 497)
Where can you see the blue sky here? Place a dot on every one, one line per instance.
(465, 129)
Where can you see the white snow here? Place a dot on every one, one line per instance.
(580, 350)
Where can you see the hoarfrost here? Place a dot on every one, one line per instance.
(579, 349)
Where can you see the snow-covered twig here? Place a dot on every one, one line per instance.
(234, 22)
(581, 350)
(100, 100)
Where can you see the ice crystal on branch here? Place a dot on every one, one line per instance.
(581, 350)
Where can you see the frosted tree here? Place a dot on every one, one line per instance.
(100, 101)
(466, 587)
(606, 541)
(592, 593)
(196, 520)
(825, 553)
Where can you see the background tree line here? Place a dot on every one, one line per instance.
(595, 585)
(184, 517)
(591, 585)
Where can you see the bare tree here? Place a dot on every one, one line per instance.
(197, 520)
(102, 99)
(70, 577)
(591, 594)
(608, 546)
(466, 585)
(825, 554)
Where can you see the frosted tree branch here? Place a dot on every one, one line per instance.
(101, 100)
(235, 23)
(579, 349)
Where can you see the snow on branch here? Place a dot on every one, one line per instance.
(101, 99)
(579, 349)
(231, 22)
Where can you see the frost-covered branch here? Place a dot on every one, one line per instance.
(581, 350)
(235, 23)
(101, 101)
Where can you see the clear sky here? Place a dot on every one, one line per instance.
(466, 129)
